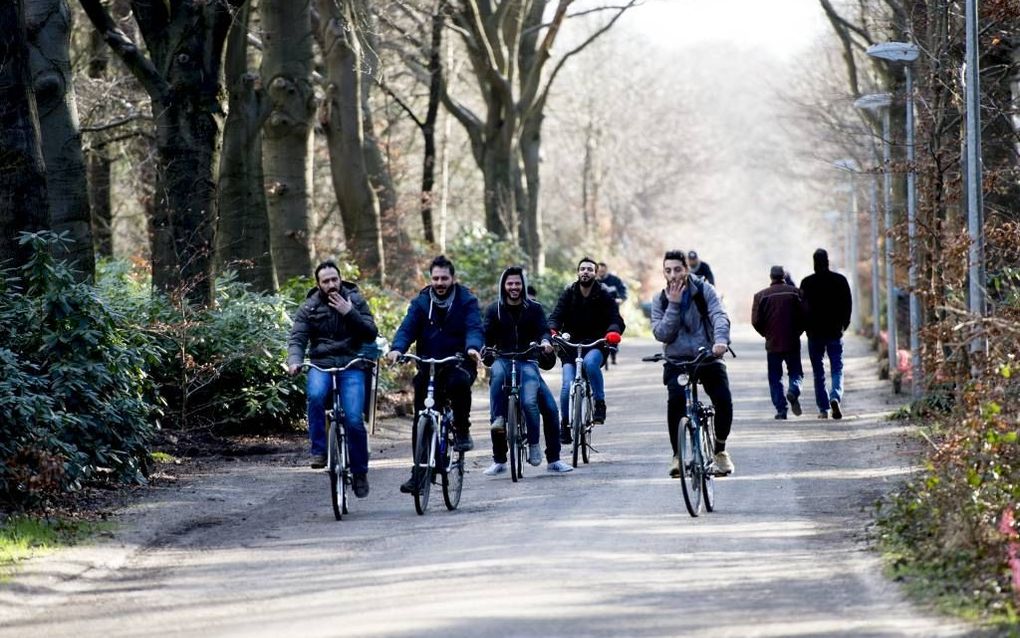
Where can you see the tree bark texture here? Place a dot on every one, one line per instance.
(48, 24)
(243, 232)
(342, 121)
(287, 65)
(185, 41)
(23, 203)
(98, 166)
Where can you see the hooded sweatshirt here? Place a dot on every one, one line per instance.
(331, 339)
(511, 328)
(827, 302)
(680, 327)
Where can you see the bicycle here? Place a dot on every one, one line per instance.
(435, 450)
(581, 408)
(516, 425)
(338, 458)
(696, 441)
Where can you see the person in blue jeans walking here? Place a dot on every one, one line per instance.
(827, 308)
(333, 324)
(777, 314)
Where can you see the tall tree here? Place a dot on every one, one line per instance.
(49, 36)
(287, 65)
(23, 204)
(185, 41)
(243, 232)
(98, 165)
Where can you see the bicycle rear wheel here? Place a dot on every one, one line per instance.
(337, 482)
(690, 469)
(708, 462)
(453, 477)
(424, 455)
(586, 431)
(576, 427)
(512, 436)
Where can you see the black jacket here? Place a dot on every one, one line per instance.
(585, 318)
(509, 330)
(827, 303)
(331, 339)
(705, 272)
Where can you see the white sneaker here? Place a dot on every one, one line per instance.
(723, 464)
(494, 469)
(559, 467)
(535, 455)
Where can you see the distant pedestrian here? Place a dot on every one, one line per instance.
(617, 290)
(700, 268)
(777, 315)
(827, 307)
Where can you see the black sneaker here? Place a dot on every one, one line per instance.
(780, 416)
(318, 461)
(794, 403)
(600, 412)
(410, 486)
(360, 485)
(463, 442)
(565, 437)
(836, 412)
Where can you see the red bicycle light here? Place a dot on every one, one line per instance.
(612, 338)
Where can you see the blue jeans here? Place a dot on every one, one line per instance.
(593, 370)
(817, 349)
(352, 399)
(793, 369)
(529, 380)
(550, 421)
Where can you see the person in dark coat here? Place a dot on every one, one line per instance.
(588, 313)
(333, 325)
(616, 289)
(827, 308)
(443, 320)
(777, 315)
(700, 268)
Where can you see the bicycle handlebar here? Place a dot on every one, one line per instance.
(511, 355)
(309, 364)
(704, 354)
(413, 357)
(593, 344)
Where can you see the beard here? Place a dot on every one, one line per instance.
(586, 283)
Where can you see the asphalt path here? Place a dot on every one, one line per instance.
(251, 548)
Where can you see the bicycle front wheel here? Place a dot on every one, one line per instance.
(576, 425)
(708, 463)
(586, 432)
(453, 478)
(424, 456)
(337, 465)
(691, 469)
(513, 436)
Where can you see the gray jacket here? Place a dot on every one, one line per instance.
(682, 332)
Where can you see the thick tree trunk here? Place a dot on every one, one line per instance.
(343, 121)
(287, 64)
(533, 240)
(23, 204)
(49, 30)
(498, 165)
(98, 167)
(242, 235)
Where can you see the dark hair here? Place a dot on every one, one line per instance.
(676, 255)
(587, 260)
(531, 291)
(324, 265)
(514, 270)
(604, 265)
(442, 262)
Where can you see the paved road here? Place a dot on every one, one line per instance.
(605, 551)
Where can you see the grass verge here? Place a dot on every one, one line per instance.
(22, 537)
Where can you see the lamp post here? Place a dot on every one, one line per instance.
(975, 205)
(851, 167)
(906, 53)
(881, 102)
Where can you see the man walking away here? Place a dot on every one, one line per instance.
(778, 316)
(699, 268)
(827, 307)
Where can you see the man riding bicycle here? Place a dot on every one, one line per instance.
(443, 320)
(588, 313)
(512, 324)
(686, 316)
(333, 324)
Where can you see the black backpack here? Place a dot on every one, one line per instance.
(699, 301)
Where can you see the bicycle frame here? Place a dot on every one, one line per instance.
(515, 439)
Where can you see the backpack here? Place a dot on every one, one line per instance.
(699, 302)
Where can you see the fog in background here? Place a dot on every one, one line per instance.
(702, 141)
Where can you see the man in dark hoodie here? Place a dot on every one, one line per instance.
(588, 313)
(827, 307)
(512, 324)
(333, 324)
(443, 320)
(777, 314)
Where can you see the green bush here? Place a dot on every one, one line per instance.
(73, 384)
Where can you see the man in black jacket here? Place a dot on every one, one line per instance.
(588, 313)
(777, 315)
(700, 268)
(333, 324)
(827, 307)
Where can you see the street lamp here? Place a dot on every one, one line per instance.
(881, 102)
(905, 53)
(851, 167)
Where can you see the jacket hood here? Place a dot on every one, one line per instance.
(456, 295)
(346, 287)
(821, 258)
(502, 290)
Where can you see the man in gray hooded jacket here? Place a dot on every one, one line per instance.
(687, 316)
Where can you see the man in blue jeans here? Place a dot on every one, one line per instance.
(333, 325)
(827, 307)
(777, 314)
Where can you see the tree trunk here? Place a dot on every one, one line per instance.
(23, 204)
(98, 167)
(534, 239)
(498, 164)
(343, 122)
(287, 64)
(49, 31)
(243, 232)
